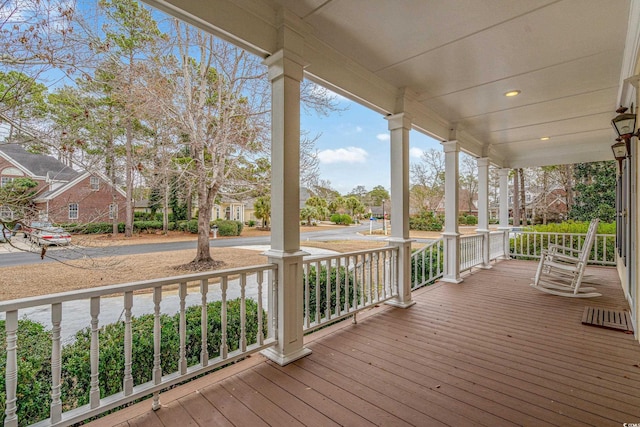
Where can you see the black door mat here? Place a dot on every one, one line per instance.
(605, 318)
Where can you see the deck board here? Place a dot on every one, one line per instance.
(490, 351)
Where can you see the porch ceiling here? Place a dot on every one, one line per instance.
(453, 61)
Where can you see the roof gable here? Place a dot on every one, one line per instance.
(37, 165)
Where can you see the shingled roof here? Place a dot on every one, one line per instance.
(38, 165)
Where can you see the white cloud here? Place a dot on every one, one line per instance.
(343, 155)
(416, 152)
(383, 137)
(358, 129)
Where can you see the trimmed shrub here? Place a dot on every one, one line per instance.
(341, 219)
(34, 371)
(422, 267)
(529, 245)
(227, 227)
(147, 226)
(34, 355)
(471, 220)
(335, 272)
(425, 221)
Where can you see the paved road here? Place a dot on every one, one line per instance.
(13, 257)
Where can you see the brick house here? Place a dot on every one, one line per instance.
(63, 194)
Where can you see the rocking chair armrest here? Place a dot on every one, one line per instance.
(560, 256)
(553, 248)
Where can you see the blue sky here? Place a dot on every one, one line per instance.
(354, 146)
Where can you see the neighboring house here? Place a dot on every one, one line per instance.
(467, 204)
(63, 195)
(229, 209)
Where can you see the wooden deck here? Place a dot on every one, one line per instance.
(490, 351)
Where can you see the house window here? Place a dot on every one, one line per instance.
(73, 211)
(5, 180)
(113, 211)
(94, 183)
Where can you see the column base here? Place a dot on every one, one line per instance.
(451, 280)
(284, 359)
(400, 304)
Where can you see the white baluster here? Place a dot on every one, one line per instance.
(307, 294)
(56, 363)
(376, 275)
(224, 347)
(204, 327)
(317, 293)
(94, 392)
(347, 294)
(128, 344)
(327, 308)
(182, 362)
(243, 313)
(260, 336)
(338, 287)
(157, 337)
(11, 376)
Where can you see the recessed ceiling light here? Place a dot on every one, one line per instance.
(512, 93)
(544, 138)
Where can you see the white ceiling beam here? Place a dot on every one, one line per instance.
(247, 24)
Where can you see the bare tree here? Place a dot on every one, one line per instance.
(427, 177)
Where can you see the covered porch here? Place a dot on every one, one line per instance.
(488, 351)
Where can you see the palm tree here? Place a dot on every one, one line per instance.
(262, 208)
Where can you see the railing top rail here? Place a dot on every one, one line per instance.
(562, 233)
(61, 297)
(320, 258)
(471, 236)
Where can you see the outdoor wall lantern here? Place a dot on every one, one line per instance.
(625, 125)
(621, 150)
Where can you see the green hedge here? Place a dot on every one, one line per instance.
(342, 272)
(341, 219)
(228, 227)
(436, 263)
(535, 246)
(34, 355)
(426, 221)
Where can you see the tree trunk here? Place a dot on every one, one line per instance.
(128, 224)
(165, 206)
(206, 197)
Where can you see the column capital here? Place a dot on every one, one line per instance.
(399, 121)
(483, 161)
(450, 146)
(285, 63)
(504, 171)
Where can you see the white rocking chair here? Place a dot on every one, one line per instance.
(561, 269)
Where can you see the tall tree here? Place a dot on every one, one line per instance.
(469, 180)
(132, 31)
(595, 186)
(427, 177)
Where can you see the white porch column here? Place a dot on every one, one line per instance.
(451, 234)
(483, 209)
(504, 208)
(399, 127)
(285, 74)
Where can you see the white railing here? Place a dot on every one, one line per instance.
(528, 244)
(347, 283)
(225, 285)
(497, 244)
(470, 251)
(427, 264)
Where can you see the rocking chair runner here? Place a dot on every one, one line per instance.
(561, 269)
